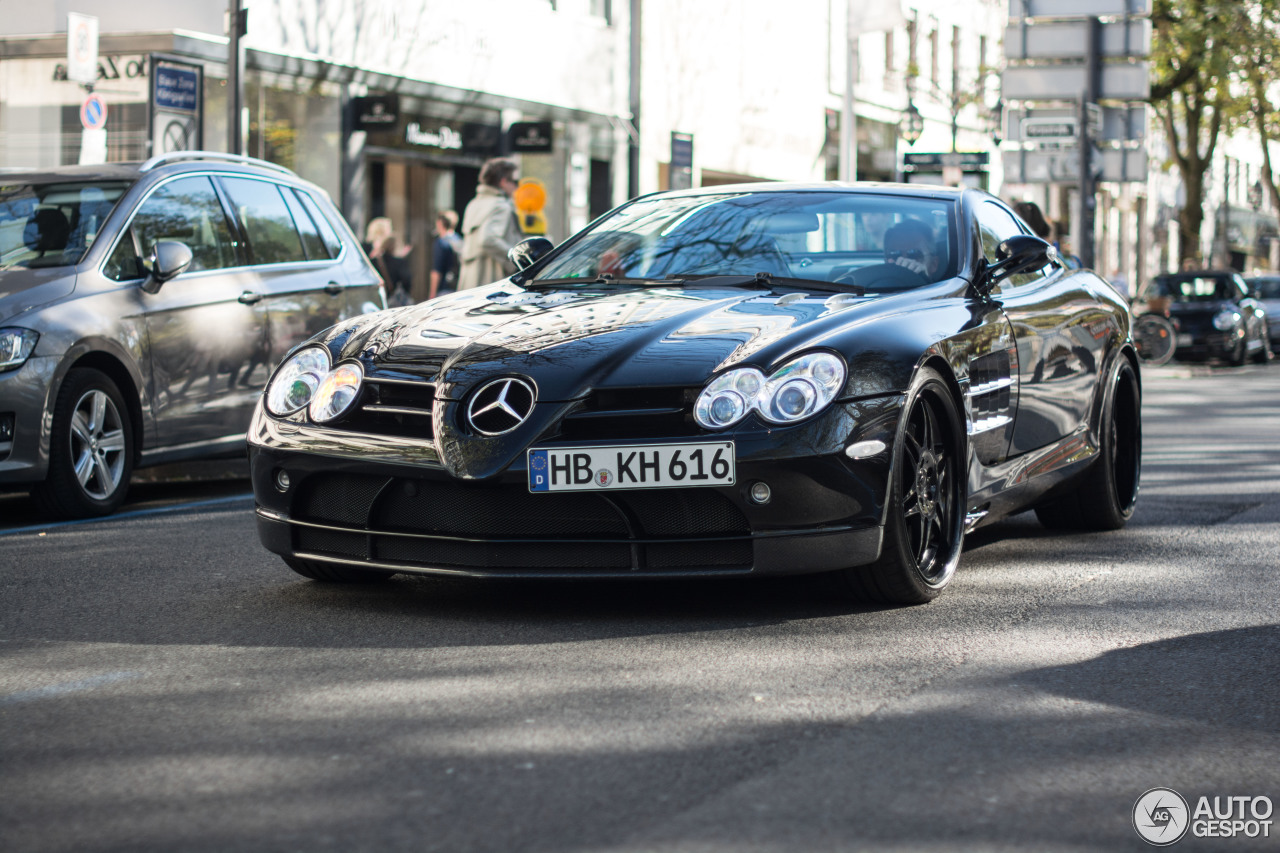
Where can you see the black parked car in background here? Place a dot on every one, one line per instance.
(761, 379)
(1215, 315)
(142, 306)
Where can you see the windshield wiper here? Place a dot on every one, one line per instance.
(603, 278)
(764, 279)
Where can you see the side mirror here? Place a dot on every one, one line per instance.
(1019, 254)
(526, 253)
(168, 259)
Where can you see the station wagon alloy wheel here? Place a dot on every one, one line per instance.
(97, 444)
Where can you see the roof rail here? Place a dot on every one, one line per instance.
(179, 156)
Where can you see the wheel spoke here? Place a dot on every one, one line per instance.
(84, 468)
(99, 403)
(80, 427)
(112, 441)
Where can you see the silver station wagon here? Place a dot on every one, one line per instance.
(143, 306)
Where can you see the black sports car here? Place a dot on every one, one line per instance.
(1216, 315)
(758, 379)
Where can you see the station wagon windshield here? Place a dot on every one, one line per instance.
(52, 225)
(819, 236)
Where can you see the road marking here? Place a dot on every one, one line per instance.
(137, 513)
(67, 687)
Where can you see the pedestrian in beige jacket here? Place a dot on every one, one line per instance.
(489, 226)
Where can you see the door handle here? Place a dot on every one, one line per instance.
(249, 297)
(333, 288)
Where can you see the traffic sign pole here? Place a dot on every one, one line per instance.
(1088, 189)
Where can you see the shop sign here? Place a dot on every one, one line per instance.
(480, 138)
(966, 160)
(442, 137)
(376, 112)
(530, 137)
(109, 68)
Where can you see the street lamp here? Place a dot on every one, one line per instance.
(912, 124)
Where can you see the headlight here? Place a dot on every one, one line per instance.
(16, 346)
(337, 392)
(1225, 321)
(800, 388)
(295, 383)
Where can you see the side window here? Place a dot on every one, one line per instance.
(330, 237)
(995, 225)
(187, 210)
(267, 224)
(311, 241)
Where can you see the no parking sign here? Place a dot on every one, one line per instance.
(93, 112)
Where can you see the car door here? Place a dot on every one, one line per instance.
(1060, 332)
(364, 288)
(201, 331)
(303, 289)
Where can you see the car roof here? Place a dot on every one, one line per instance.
(165, 164)
(903, 190)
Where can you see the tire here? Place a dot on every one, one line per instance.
(924, 522)
(1153, 338)
(91, 448)
(336, 573)
(1107, 496)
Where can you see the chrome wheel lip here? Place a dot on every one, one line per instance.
(97, 444)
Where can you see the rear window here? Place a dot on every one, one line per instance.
(51, 225)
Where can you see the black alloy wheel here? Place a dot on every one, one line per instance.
(1106, 498)
(924, 526)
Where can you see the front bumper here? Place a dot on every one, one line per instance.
(372, 504)
(24, 393)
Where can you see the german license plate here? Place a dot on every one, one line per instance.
(1183, 341)
(632, 466)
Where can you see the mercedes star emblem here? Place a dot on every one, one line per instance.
(500, 406)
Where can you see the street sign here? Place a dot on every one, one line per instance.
(967, 160)
(82, 48)
(93, 112)
(1077, 8)
(176, 117)
(1062, 165)
(1117, 82)
(1046, 130)
(1109, 124)
(1069, 39)
(176, 89)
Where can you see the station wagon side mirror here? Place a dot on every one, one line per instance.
(1020, 253)
(168, 259)
(526, 253)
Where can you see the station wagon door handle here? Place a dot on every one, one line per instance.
(333, 288)
(249, 297)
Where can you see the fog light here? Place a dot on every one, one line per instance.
(760, 493)
(6, 426)
(282, 479)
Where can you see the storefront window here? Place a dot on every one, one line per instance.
(297, 124)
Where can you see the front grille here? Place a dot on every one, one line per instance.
(609, 414)
(445, 524)
(397, 407)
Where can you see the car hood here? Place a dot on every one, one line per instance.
(572, 341)
(24, 289)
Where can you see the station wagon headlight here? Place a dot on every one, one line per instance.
(337, 391)
(1225, 321)
(296, 382)
(16, 346)
(795, 391)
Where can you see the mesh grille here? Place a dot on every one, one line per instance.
(337, 498)
(446, 508)
(334, 542)
(685, 512)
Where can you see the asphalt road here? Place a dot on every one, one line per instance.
(165, 684)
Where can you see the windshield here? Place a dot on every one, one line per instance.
(822, 236)
(1268, 288)
(52, 225)
(1198, 288)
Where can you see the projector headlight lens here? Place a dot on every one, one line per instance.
(295, 383)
